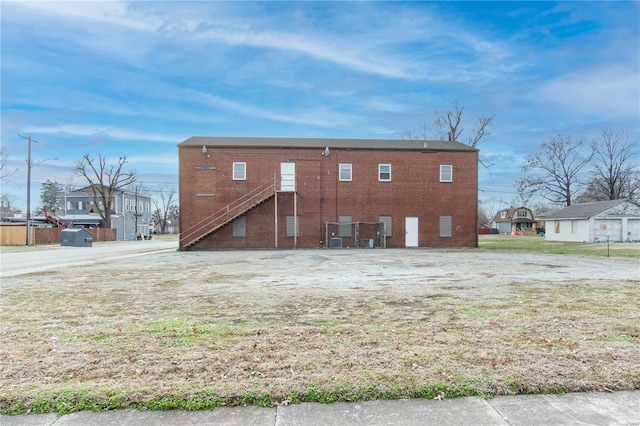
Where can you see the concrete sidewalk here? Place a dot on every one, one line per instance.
(617, 408)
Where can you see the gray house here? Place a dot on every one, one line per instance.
(130, 212)
(615, 220)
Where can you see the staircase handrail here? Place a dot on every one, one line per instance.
(228, 212)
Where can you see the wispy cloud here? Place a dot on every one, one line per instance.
(321, 117)
(377, 50)
(105, 131)
(607, 92)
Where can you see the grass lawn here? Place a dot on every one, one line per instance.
(540, 245)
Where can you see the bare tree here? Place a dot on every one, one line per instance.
(616, 173)
(491, 206)
(554, 171)
(104, 180)
(163, 203)
(5, 172)
(448, 126)
(7, 205)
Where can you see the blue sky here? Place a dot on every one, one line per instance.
(136, 78)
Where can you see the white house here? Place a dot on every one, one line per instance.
(617, 220)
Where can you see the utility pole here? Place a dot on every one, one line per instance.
(28, 138)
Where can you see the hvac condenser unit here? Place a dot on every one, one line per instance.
(335, 243)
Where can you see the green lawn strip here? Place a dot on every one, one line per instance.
(78, 399)
(540, 245)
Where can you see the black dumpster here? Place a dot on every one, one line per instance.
(76, 237)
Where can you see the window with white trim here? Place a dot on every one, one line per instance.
(446, 226)
(446, 173)
(384, 172)
(345, 172)
(239, 171)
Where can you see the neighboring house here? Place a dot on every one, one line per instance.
(514, 220)
(615, 220)
(288, 192)
(130, 212)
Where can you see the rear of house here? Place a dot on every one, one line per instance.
(312, 193)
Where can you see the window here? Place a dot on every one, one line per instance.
(345, 172)
(446, 173)
(387, 225)
(384, 172)
(290, 226)
(522, 213)
(503, 214)
(147, 207)
(344, 227)
(239, 171)
(240, 227)
(446, 226)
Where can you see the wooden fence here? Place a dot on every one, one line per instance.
(16, 235)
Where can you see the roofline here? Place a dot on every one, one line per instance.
(321, 143)
(613, 203)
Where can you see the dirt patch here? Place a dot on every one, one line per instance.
(279, 322)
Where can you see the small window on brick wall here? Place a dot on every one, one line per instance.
(239, 171)
(446, 173)
(345, 172)
(384, 172)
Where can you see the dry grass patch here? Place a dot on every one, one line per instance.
(212, 333)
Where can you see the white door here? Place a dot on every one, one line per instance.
(288, 177)
(411, 232)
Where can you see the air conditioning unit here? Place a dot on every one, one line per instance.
(335, 243)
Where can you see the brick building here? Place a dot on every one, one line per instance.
(290, 192)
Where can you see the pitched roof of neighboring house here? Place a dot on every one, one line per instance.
(87, 190)
(511, 216)
(273, 142)
(584, 210)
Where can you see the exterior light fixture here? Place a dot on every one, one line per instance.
(204, 151)
(326, 151)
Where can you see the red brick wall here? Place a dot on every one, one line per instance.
(415, 190)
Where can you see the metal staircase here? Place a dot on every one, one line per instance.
(225, 215)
